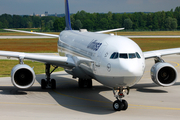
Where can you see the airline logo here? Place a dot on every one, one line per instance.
(94, 45)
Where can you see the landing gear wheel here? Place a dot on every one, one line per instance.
(120, 104)
(125, 105)
(81, 83)
(53, 84)
(117, 105)
(43, 84)
(48, 83)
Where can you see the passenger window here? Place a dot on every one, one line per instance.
(132, 55)
(123, 55)
(137, 54)
(114, 55)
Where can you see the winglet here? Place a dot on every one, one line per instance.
(68, 20)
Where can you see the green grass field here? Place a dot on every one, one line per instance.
(7, 65)
(29, 45)
(148, 44)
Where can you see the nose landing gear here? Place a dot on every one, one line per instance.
(120, 104)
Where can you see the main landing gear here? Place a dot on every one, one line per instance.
(120, 104)
(48, 83)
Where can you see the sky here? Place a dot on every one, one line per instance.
(27, 7)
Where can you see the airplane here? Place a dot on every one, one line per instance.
(115, 61)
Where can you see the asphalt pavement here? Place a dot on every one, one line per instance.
(146, 99)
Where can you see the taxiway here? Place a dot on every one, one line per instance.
(146, 99)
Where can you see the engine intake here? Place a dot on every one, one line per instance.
(22, 76)
(163, 74)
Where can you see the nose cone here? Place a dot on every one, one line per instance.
(132, 67)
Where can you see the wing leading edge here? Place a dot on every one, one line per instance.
(65, 62)
(159, 53)
(68, 62)
(36, 33)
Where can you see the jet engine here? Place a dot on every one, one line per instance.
(22, 76)
(163, 74)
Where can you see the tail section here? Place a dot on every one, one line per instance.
(67, 15)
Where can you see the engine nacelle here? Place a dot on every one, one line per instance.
(22, 76)
(163, 74)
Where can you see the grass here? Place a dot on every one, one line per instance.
(148, 44)
(50, 45)
(7, 65)
(26, 45)
(29, 45)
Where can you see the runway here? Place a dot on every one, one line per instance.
(34, 37)
(146, 99)
(22, 37)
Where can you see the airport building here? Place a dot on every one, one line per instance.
(46, 13)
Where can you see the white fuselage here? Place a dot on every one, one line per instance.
(118, 61)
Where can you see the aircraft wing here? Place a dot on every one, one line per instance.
(68, 62)
(65, 62)
(159, 53)
(50, 35)
(105, 31)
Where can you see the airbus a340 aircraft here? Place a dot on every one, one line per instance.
(115, 61)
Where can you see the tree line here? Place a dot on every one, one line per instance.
(98, 21)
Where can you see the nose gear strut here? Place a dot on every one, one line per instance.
(120, 104)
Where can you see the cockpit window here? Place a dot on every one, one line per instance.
(132, 55)
(123, 55)
(138, 56)
(114, 55)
